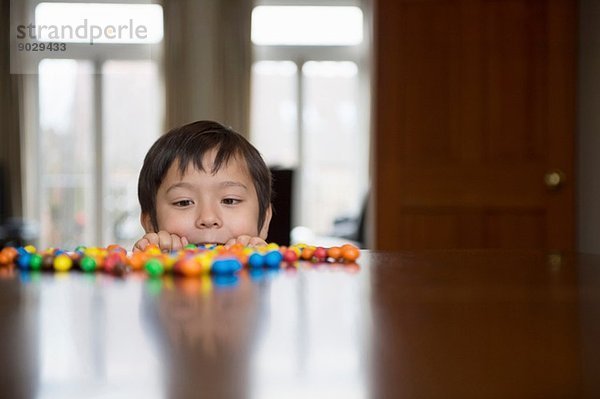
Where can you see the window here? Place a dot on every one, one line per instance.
(310, 102)
(94, 111)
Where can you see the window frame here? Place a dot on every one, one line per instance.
(299, 55)
(31, 149)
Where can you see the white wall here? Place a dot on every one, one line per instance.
(588, 131)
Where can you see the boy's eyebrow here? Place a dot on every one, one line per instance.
(231, 183)
(227, 183)
(179, 185)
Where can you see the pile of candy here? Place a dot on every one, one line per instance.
(191, 261)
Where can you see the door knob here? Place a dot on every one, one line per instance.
(554, 179)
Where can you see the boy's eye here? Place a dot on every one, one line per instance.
(183, 203)
(231, 201)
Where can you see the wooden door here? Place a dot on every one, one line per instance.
(474, 106)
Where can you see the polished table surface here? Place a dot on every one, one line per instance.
(451, 324)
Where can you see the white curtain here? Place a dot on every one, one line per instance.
(207, 61)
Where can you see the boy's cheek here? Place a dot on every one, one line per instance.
(172, 224)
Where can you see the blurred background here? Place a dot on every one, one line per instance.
(396, 124)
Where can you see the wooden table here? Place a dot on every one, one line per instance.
(470, 324)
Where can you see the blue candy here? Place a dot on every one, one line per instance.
(23, 260)
(226, 266)
(273, 259)
(256, 260)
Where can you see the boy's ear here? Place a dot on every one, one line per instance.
(146, 222)
(264, 231)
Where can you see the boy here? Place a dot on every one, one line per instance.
(203, 183)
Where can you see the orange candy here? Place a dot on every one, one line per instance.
(10, 254)
(116, 248)
(189, 267)
(137, 260)
(350, 253)
(307, 253)
(334, 253)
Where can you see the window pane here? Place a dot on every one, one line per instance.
(307, 25)
(274, 111)
(132, 120)
(333, 158)
(66, 155)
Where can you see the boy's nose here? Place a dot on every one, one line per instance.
(208, 220)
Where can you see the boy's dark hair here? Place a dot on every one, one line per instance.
(189, 143)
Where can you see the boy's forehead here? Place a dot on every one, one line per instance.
(235, 164)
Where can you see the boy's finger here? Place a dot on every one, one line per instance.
(230, 242)
(165, 242)
(140, 245)
(256, 242)
(152, 238)
(176, 242)
(184, 241)
(244, 240)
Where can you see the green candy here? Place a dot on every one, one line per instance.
(35, 262)
(191, 246)
(154, 267)
(88, 264)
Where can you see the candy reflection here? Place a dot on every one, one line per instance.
(204, 325)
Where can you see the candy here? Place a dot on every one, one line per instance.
(226, 266)
(10, 253)
(87, 264)
(334, 253)
(47, 262)
(273, 259)
(62, 263)
(192, 261)
(307, 253)
(350, 253)
(154, 267)
(190, 267)
(120, 269)
(35, 262)
(23, 260)
(256, 260)
(31, 249)
(290, 256)
(320, 254)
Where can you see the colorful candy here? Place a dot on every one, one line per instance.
(62, 263)
(192, 261)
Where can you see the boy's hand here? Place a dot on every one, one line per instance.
(163, 239)
(246, 241)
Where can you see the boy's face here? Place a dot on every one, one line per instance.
(206, 207)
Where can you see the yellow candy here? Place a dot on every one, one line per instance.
(153, 250)
(272, 247)
(205, 260)
(168, 262)
(62, 263)
(92, 252)
(31, 249)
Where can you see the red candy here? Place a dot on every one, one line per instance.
(290, 256)
(320, 254)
